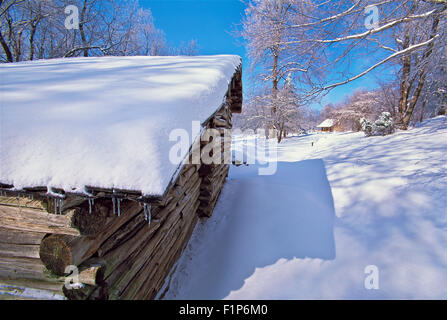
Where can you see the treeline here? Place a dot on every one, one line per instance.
(322, 45)
(370, 104)
(45, 29)
(288, 115)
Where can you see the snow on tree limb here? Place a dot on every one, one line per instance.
(390, 57)
(371, 31)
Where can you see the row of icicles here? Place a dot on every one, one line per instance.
(117, 208)
(59, 202)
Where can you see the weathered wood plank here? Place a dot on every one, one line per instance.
(24, 219)
(157, 243)
(20, 237)
(172, 240)
(23, 202)
(22, 268)
(151, 278)
(91, 274)
(19, 250)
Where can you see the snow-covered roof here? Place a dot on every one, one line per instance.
(103, 122)
(326, 123)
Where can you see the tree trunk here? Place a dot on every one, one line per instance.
(406, 107)
(412, 104)
(279, 135)
(18, 46)
(5, 47)
(275, 79)
(404, 82)
(31, 40)
(81, 29)
(421, 119)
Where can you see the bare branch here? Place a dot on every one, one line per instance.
(394, 55)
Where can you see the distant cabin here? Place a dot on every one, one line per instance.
(87, 178)
(327, 125)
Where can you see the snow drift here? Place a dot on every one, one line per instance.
(332, 210)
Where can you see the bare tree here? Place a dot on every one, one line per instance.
(266, 32)
(408, 34)
(289, 117)
(329, 35)
(35, 29)
(286, 114)
(361, 104)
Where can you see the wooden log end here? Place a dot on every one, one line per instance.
(55, 253)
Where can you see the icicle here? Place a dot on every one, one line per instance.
(18, 200)
(89, 205)
(55, 206)
(147, 213)
(119, 206)
(60, 205)
(114, 209)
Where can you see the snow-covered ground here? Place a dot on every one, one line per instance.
(331, 210)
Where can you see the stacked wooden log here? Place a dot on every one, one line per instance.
(136, 268)
(235, 93)
(214, 175)
(22, 230)
(118, 257)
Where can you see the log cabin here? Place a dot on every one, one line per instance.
(328, 125)
(91, 207)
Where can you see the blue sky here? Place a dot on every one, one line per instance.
(210, 22)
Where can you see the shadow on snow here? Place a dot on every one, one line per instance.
(258, 221)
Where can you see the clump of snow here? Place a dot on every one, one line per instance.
(14, 292)
(331, 210)
(381, 127)
(103, 122)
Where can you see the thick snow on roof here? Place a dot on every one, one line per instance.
(103, 122)
(326, 123)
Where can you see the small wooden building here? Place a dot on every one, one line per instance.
(121, 241)
(327, 125)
